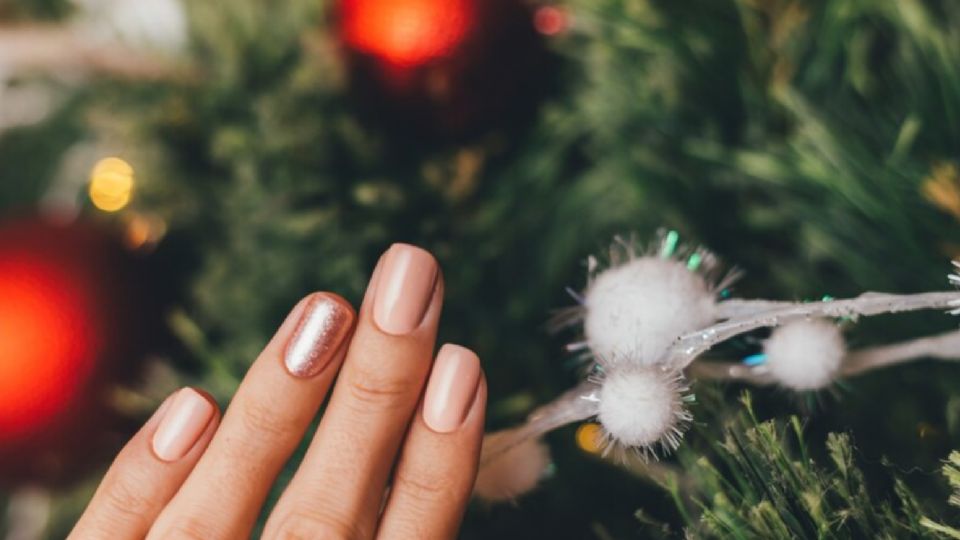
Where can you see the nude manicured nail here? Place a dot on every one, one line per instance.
(452, 388)
(404, 289)
(185, 420)
(325, 323)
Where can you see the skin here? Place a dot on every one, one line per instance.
(374, 468)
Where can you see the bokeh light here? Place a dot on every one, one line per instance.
(111, 184)
(405, 32)
(143, 231)
(590, 438)
(550, 20)
(47, 341)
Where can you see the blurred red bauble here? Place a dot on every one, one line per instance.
(445, 69)
(406, 32)
(550, 20)
(50, 338)
(74, 314)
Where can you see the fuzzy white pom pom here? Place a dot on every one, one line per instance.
(513, 473)
(805, 354)
(641, 407)
(634, 311)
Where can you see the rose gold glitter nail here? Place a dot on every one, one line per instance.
(325, 323)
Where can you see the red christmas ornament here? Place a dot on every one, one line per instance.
(406, 32)
(76, 318)
(447, 69)
(50, 338)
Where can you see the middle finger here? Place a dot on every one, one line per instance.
(338, 489)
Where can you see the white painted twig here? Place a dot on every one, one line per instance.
(944, 346)
(572, 406)
(688, 347)
(736, 307)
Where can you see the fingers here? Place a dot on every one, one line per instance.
(267, 418)
(438, 463)
(150, 469)
(197, 480)
(338, 489)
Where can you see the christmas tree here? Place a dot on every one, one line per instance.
(260, 151)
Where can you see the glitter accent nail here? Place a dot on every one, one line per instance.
(324, 325)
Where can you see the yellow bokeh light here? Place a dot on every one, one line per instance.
(111, 184)
(590, 438)
(942, 187)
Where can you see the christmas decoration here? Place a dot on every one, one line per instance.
(49, 340)
(519, 471)
(756, 369)
(641, 407)
(637, 307)
(72, 323)
(805, 354)
(406, 32)
(639, 403)
(443, 68)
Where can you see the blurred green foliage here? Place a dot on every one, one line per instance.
(34, 10)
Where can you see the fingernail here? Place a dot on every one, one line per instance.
(161, 411)
(185, 420)
(324, 325)
(452, 387)
(404, 289)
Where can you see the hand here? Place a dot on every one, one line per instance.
(388, 460)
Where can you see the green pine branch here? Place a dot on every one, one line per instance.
(759, 481)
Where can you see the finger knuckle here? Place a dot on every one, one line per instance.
(261, 419)
(378, 391)
(424, 490)
(191, 529)
(126, 498)
(304, 524)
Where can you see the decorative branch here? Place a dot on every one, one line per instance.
(944, 346)
(688, 347)
(574, 405)
(650, 313)
(582, 401)
(735, 308)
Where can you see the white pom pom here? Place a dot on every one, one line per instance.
(641, 407)
(636, 310)
(513, 473)
(805, 354)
